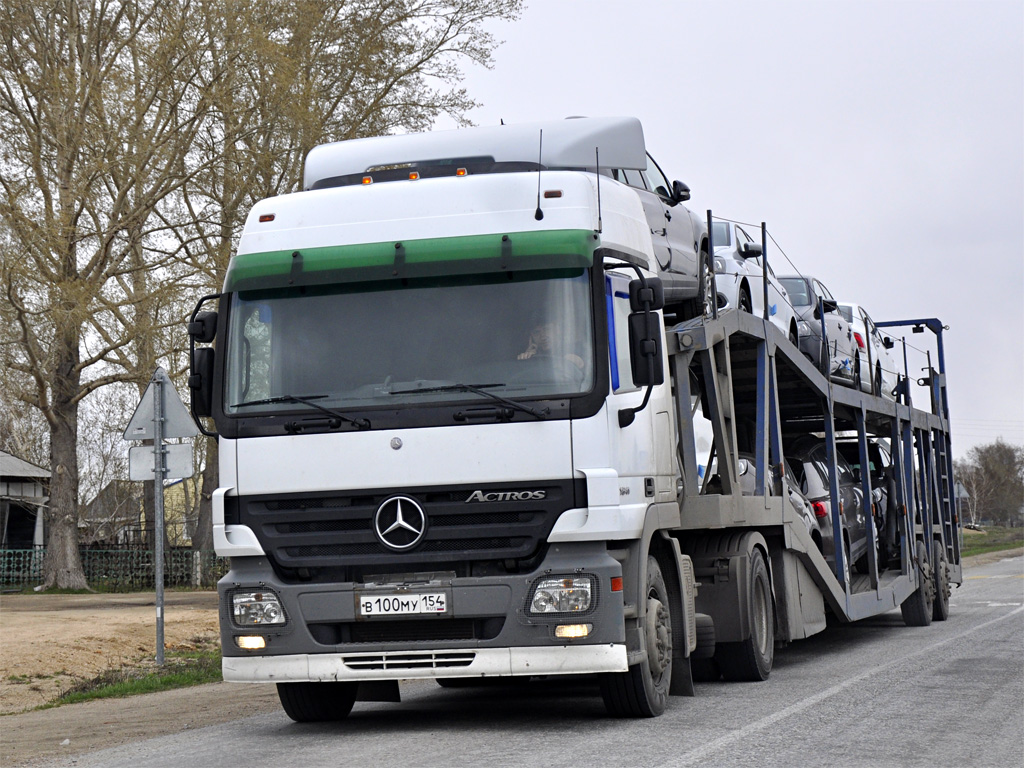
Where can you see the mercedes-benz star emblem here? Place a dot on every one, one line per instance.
(400, 523)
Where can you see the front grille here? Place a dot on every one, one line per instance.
(428, 660)
(311, 532)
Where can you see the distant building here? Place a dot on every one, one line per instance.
(112, 520)
(24, 494)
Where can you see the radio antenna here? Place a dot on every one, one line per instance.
(597, 162)
(539, 214)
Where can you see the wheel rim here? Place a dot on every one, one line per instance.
(659, 638)
(927, 585)
(942, 576)
(709, 289)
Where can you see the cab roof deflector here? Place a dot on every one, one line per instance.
(567, 144)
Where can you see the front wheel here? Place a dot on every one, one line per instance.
(642, 690)
(744, 302)
(317, 702)
(751, 659)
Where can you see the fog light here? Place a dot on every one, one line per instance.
(257, 608)
(567, 594)
(251, 642)
(573, 630)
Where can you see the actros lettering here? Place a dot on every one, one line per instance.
(506, 496)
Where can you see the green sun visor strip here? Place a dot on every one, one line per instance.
(432, 257)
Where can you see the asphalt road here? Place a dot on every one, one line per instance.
(877, 693)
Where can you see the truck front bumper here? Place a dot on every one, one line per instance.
(460, 662)
(488, 628)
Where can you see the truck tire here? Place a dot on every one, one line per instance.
(703, 667)
(940, 569)
(918, 607)
(751, 660)
(643, 689)
(317, 702)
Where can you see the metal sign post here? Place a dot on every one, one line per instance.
(158, 512)
(160, 415)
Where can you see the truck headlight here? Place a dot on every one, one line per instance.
(562, 594)
(256, 608)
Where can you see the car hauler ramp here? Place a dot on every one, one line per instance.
(758, 391)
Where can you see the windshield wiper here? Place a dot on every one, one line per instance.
(478, 389)
(305, 400)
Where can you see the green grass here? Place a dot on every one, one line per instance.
(180, 670)
(992, 540)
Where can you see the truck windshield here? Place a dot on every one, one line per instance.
(522, 335)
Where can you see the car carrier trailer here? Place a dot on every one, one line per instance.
(455, 386)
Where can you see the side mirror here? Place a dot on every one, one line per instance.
(200, 381)
(204, 328)
(645, 349)
(680, 192)
(887, 342)
(651, 297)
(751, 250)
(829, 305)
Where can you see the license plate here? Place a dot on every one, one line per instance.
(402, 604)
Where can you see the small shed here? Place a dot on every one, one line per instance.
(24, 494)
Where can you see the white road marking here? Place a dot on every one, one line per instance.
(711, 747)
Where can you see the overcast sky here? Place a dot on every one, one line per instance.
(882, 142)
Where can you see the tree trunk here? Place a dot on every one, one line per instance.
(62, 564)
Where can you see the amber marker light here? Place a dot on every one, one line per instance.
(413, 175)
(367, 179)
(266, 217)
(570, 631)
(616, 583)
(550, 193)
(461, 172)
(251, 642)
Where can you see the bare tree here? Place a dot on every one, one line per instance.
(993, 475)
(136, 134)
(97, 107)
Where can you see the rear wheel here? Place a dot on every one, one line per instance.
(917, 609)
(317, 702)
(940, 569)
(856, 373)
(876, 384)
(642, 690)
(751, 659)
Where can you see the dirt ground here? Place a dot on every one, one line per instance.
(49, 641)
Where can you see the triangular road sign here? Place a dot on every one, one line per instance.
(177, 421)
